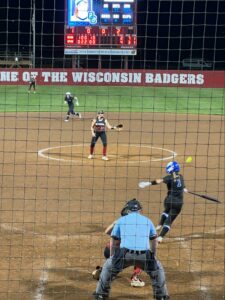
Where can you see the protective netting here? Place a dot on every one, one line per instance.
(58, 193)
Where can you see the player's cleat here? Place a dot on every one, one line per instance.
(160, 239)
(66, 120)
(79, 115)
(137, 282)
(105, 158)
(100, 296)
(158, 227)
(90, 156)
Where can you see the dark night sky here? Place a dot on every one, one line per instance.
(168, 31)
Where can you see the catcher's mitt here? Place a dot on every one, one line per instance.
(96, 273)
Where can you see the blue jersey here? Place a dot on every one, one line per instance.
(134, 231)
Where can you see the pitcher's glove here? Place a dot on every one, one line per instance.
(118, 127)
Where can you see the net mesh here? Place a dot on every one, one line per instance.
(56, 202)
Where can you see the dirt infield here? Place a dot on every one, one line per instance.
(55, 203)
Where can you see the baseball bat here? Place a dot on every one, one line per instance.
(144, 184)
(205, 197)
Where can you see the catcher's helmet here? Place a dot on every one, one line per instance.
(133, 205)
(172, 166)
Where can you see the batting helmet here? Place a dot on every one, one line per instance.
(133, 205)
(172, 166)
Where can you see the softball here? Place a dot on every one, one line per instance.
(188, 159)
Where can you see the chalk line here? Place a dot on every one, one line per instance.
(43, 279)
(42, 154)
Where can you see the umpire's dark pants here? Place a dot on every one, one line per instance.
(122, 259)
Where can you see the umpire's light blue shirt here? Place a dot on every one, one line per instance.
(134, 231)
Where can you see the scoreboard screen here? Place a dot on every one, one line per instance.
(100, 27)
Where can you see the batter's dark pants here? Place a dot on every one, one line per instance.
(172, 208)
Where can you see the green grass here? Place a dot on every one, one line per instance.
(123, 99)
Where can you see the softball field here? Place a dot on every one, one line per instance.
(55, 203)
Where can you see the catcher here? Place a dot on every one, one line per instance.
(174, 200)
(98, 130)
(135, 279)
(70, 99)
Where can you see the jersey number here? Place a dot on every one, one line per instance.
(179, 183)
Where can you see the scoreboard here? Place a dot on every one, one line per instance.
(100, 27)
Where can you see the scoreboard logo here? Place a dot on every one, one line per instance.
(80, 13)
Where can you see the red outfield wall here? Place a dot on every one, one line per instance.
(205, 79)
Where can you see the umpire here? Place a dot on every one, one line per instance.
(134, 232)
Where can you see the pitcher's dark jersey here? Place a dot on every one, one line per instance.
(100, 125)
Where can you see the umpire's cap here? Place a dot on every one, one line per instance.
(133, 205)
